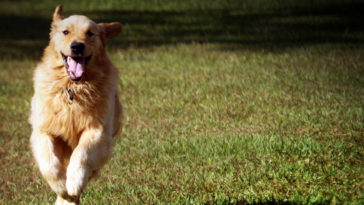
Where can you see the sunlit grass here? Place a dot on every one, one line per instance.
(206, 125)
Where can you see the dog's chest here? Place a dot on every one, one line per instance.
(70, 113)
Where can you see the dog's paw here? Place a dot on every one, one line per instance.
(76, 180)
(67, 200)
(73, 189)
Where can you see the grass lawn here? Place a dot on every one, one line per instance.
(225, 103)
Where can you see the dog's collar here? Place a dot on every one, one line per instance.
(70, 95)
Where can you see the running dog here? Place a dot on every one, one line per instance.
(75, 110)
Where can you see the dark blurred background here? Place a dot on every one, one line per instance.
(234, 24)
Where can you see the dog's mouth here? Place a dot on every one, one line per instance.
(75, 66)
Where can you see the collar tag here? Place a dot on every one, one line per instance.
(70, 95)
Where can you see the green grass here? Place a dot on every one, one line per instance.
(259, 113)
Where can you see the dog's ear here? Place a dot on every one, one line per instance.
(110, 30)
(57, 15)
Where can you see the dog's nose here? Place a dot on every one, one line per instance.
(77, 48)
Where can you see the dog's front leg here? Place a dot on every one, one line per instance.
(49, 160)
(90, 154)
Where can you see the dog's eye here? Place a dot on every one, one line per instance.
(65, 32)
(89, 33)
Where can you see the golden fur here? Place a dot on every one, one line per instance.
(73, 122)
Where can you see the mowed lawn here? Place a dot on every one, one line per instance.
(211, 117)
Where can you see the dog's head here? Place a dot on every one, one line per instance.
(77, 39)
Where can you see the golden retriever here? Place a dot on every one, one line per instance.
(75, 110)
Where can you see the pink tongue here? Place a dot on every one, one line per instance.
(76, 67)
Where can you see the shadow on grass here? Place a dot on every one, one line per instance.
(233, 29)
(270, 202)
